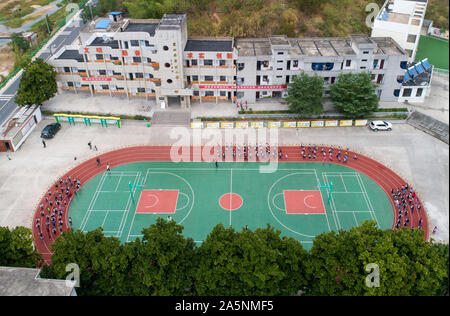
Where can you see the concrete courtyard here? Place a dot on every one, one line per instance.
(418, 157)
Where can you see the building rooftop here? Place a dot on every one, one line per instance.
(387, 46)
(418, 74)
(253, 47)
(147, 27)
(71, 54)
(26, 282)
(210, 45)
(99, 41)
(172, 21)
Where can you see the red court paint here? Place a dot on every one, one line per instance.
(230, 201)
(303, 202)
(157, 202)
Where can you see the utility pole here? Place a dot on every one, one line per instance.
(48, 27)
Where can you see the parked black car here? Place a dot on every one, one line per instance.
(50, 130)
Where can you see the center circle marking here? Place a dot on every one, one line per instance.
(230, 201)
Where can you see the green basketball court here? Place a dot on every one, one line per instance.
(197, 196)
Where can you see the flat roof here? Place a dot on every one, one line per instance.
(253, 47)
(26, 282)
(194, 45)
(71, 54)
(149, 28)
(98, 41)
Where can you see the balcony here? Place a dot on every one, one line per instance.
(155, 65)
(118, 77)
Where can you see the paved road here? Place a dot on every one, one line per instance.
(7, 96)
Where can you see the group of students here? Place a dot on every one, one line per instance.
(246, 152)
(312, 152)
(55, 205)
(406, 202)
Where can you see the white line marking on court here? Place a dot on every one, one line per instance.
(118, 182)
(345, 188)
(325, 209)
(366, 197)
(137, 177)
(104, 220)
(333, 206)
(354, 216)
(134, 214)
(231, 191)
(304, 201)
(188, 200)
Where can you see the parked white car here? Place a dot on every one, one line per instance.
(380, 126)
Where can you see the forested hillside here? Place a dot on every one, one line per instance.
(259, 18)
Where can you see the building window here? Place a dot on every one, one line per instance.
(279, 68)
(295, 63)
(134, 43)
(105, 87)
(102, 72)
(279, 76)
(375, 63)
(403, 64)
(222, 62)
(380, 79)
(223, 93)
(165, 47)
(348, 63)
(139, 75)
(396, 92)
(362, 67)
(125, 44)
(194, 78)
(209, 93)
(70, 84)
(411, 38)
(66, 69)
(419, 92)
(333, 79)
(141, 90)
(169, 81)
(136, 59)
(322, 66)
(209, 78)
(363, 60)
(280, 53)
(99, 56)
(194, 62)
(407, 92)
(147, 44)
(241, 66)
(223, 78)
(400, 79)
(365, 52)
(167, 65)
(196, 93)
(208, 62)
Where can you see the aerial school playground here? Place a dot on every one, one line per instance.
(300, 197)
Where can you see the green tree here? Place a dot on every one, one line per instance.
(443, 251)
(354, 95)
(162, 261)
(18, 41)
(145, 9)
(103, 266)
(305, 94)
(16, 248)
(38, 83)
(338, 261)
(249, 263)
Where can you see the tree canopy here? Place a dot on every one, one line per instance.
(305, 94)
(354, 94)
(16, 248)
(364, 260)
(38, 83)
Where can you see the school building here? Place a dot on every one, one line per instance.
(155, 59)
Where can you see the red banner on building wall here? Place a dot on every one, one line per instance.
(96, 79)
(242, 87)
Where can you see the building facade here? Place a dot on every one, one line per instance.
(155, 59)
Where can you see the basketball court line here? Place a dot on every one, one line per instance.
(118, 182)
(270, 207)
(134, 213)
(231, 191)
(128, 205)
(94, 198)
(366, 197)
(345, 188)
(326, 215)
(354, 216)
(332, 205)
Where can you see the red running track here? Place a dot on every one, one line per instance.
(383, 176)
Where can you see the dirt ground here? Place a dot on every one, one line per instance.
(6, 60)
